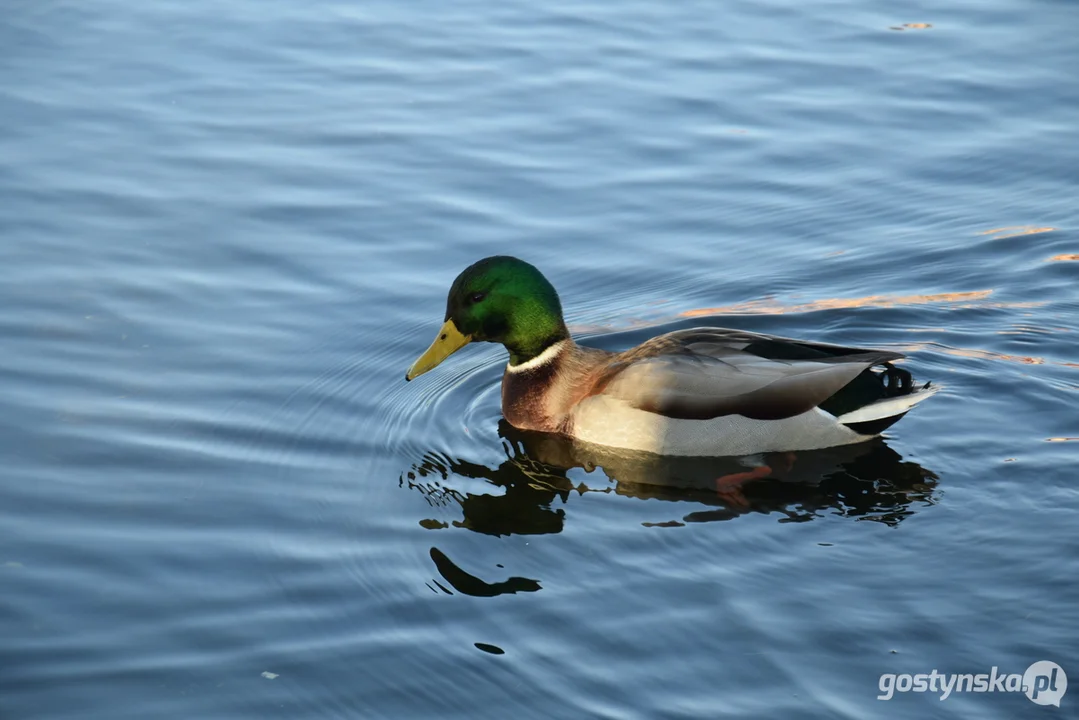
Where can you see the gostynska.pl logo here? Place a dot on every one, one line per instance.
(1044, 683)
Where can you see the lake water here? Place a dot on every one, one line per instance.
(228, 229)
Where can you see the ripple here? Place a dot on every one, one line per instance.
(1013, 231)
(982, 354)
(454, 402)
(971, 299)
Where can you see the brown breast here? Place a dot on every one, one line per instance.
(527, 397)
(541, 398)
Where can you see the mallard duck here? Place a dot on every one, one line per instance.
(703, 391)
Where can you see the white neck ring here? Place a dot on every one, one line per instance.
(540, 360)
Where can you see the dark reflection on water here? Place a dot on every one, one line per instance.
(488, 648)
(468, 584)
(867, 481)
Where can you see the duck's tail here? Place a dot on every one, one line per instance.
(873, 418)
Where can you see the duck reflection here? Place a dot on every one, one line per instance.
(468, 584)
(867, 481)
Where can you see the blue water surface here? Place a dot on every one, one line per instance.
(228, 228)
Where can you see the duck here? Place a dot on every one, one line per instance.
(704, 391)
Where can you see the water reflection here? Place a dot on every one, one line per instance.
(468, 584)
(772, 306)
(1012, 231)
(868, 481)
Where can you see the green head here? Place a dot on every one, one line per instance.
(499, 299)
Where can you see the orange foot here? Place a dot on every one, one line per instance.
(729, 487)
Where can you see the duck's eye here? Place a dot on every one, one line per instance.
(476, 297)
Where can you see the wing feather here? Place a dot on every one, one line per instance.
(704, 373)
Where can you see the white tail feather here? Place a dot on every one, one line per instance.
(889, 407)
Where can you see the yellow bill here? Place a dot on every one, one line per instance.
(449, 341)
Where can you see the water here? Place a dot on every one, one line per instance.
(228, 228)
